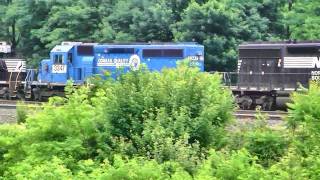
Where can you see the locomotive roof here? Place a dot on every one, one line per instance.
(152, 43)
(67, 46)
(130, 44)
(147, 44)
(62, 48)
(278, 45)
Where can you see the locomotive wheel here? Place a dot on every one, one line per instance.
(245, 102)
(6, 96)
(21, 96)
(37, 94)
(267, 104)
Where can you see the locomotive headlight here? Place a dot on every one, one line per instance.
(279, 63)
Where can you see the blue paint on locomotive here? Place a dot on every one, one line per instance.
(80, 61)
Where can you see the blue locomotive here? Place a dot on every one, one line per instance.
(78, 61)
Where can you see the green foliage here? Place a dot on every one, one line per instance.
(53, 169)
(302, 159)
(304, 19)
(33, 27)
(21, 113)
(233, 165)
(267, 144)
(304, 118)
(169, 119)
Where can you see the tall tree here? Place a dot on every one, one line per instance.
(221, 25)
(304, 19)
(68, 22)
(8, 20)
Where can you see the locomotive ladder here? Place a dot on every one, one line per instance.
(13, 83)
(28, 82)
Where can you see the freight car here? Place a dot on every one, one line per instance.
(78, 61)
(269, 72)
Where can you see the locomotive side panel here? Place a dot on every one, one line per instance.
(259, 69)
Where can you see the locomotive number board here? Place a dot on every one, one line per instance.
(58, 68)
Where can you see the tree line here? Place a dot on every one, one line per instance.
(33, 27)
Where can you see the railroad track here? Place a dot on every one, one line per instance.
(12, 104)
(269, 115)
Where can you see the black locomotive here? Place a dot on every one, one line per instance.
(268, 72)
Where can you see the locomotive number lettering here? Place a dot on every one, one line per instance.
(194, 63)
(315, 75)
(57, 68)
(196, 58)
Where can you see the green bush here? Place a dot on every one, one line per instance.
(267, 144)
(234, 165)
(21, 113)
(304, 118)
(194, 101)
(174, 116)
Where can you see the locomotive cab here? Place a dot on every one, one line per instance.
(61, 58)
(58, 68)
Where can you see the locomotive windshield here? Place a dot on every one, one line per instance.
(58, 59)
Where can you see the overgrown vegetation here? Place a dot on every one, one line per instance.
(33, 27)
(150, 125)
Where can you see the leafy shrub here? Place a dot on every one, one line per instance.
(21, 113)
(169, 117)
(10, 146)
(52, 169)
(194, 101)
(233, 165)
(304, 118)
(267, 144)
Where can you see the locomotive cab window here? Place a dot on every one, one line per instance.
(58, 59)
(70, 57)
